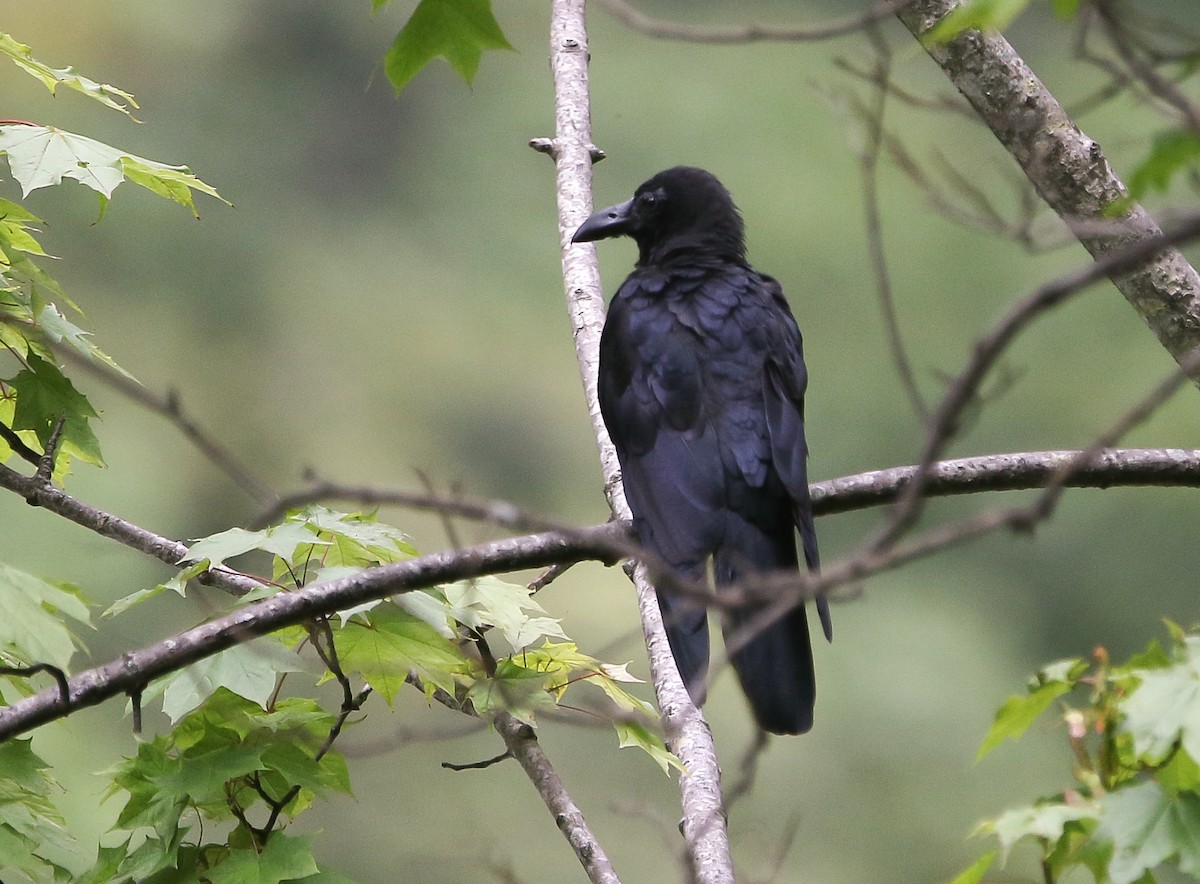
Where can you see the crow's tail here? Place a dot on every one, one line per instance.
(687, 634)
(774, 663)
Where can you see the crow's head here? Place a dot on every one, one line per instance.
(680, 211)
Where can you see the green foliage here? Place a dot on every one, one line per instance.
(52, 78)
(33, 840)
(1134, 734)
(1171, 152)
(211, 798)
(225, 764)
(983, 15)
(43, 395)
(456, 30)
(33, 629)
(41, 156)
(39, 395)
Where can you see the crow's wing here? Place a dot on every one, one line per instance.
(785, 379)
(650, 397)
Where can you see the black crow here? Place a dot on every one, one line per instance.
(701, 387)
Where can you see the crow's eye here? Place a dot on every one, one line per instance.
(650, 199)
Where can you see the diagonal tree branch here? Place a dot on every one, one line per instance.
(134, 669)
(688, 735)
(523, 745)
(944, 424)
(1068, 169)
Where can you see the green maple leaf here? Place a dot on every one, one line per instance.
(489, 601)
(248, 670)
(394, 643)
(1165, 707)
(456, 30)
(1019, 712)
(42, 156)
(31, 624)
(43, 394)
(282, 858)
(279, 540)
(52, 78)
(1147, 826)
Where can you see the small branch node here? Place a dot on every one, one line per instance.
(45, 467)
(545, 145)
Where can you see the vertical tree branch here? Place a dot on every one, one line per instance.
(688, 735)
(1068, 169)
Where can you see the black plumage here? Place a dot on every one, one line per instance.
(701, 386)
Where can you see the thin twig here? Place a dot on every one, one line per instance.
(962, 392)
(169, 406)
(45, 468)
(478, 765)
(17, 444)
(869, 163)
(60, 677)
(498, 512)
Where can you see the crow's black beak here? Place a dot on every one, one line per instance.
(613, 221)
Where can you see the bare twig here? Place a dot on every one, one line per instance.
(17, 444)
(60, 677)
(987, 351)
(498, 512)
(169, 406)
(668, 30)
(1156, 83)
(869, 162)
(172, 552)
(45, 467)
(748, 768)
(478, 765)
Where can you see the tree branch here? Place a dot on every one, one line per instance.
(523, 745)
(1113, 468)
(135, 668)
(688, 735)
(172, 552)
(964, 389)
(1068, 169)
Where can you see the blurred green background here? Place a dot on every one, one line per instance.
(386, 297)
